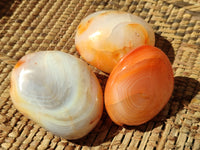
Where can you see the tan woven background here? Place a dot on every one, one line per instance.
(33, 25)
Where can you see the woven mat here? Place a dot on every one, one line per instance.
(33, 25)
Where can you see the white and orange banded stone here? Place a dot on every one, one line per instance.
(104, 37)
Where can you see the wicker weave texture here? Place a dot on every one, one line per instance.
(27, 26)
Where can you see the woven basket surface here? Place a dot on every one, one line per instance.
(27, 26)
